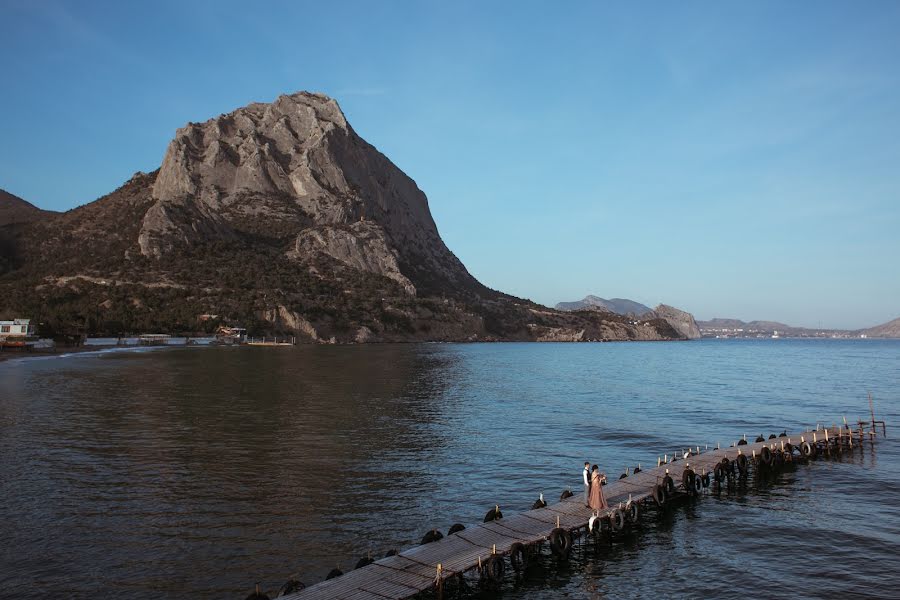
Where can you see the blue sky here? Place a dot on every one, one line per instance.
(734, 159)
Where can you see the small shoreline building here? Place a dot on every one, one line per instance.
(16, 333)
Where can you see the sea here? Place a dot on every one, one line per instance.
(197, 472)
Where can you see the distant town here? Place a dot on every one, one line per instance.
(714, 329)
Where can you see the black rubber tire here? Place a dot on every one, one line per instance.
(636, 470)
(334, 573)
(258, 596)
(659, 495)
(456, 527)
(669, 484)
(290, 586)
(432, 536)
(759, 439)
(806, 450)
(772, 436)
(492, 569)
(365, 561)
(765, 455)
(565, 494)
(538, 504)
(687, 480)
(493, 515)
(705, 480)
(782, 434)
(698, 484)
(518, 557)
(617, 520)
(595, 525)
(742, 464)
(719, 473)
(390, 553)
(623, 475)
(742, 442)
(561, 542)
(632, 512)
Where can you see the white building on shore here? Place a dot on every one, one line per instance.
(17, 328)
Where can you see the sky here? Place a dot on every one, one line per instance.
(733, 159)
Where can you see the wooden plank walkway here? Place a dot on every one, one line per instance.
(415, 569)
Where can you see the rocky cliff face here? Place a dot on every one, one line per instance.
(683, 322)
(280, 218)
(297, 169)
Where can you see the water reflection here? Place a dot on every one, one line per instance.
(198, 471)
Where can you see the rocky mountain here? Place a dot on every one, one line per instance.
(683, 322)
(279, 217)
(891, 329)
(619, 306)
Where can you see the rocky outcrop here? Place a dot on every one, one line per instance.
(284, 319)
(298, 170)
(683, 322)
(362, 245)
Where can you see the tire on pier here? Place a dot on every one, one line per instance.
(720, 473)
(636, 470)
(742, 464)
(617, 520)
(518, 557)
(669, 484)
(595, 524)
(623, 475)
(365, 561)
(742, 442)
(772, 436)
(632, 512)
(698, 484)
(807, 450)
(492, 569)
(759, 439)
(539, 503)
(766, 457)
(561, 542)
(565, 494)
(659, 495)
(493, 515)
(687, 480)
(455, 528)
(432, 536)
(390, 553)
(705, 479)
(334, 573)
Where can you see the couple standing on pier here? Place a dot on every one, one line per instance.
(593, 487)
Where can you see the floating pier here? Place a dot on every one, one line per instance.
(488, 549)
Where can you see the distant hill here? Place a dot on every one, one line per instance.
(620, 306)
(891, 329)
(719, 323)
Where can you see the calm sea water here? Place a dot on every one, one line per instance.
(196, 472)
